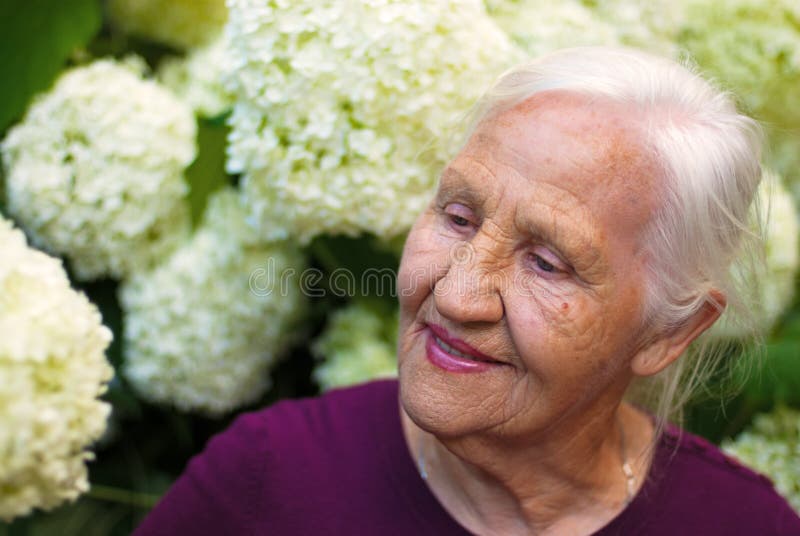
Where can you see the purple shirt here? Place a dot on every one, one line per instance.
(338, 464)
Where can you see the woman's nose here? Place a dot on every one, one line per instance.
(470, 291)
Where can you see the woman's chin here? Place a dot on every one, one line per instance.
(436, 403)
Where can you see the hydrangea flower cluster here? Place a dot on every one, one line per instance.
(94, 172)
(52, 370)
(782, 249)
(178, 23)
(203, 329)
(540, 26)
(648, 25)
(772, 447)
(339, 105)
(359, 344)
(775, 288)
(197, 78)
(753, 47)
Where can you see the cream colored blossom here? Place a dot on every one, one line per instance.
(772, 447)
(358, 345)
(94, 172)
(198, 78)
(203, 329)
(52, 371)
(753, 48)
(775, 287)
(340, 106)
(651, 25)
(541, 26)
(783, 243)
(179, 23)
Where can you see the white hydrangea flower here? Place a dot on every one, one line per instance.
(94, 172)
(772, 447)
(198, 78)
(338, 106)
(52, 371)
(651, 25)
(783, 250)
(359, 344)
(178, 23)
(203, 329)
(541, 26)
(776, 286)
(753, 48)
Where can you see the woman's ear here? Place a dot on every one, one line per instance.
(662, 350)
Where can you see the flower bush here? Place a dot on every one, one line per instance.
(201, 330)
(178, 23)
(775, 287)
(359, 344)
(197, 78)
(782, 245)
(753, 47)
(380, 82)
(52, 371)
(772, 446)
(539, 26)
(94, 171)
(649, 25)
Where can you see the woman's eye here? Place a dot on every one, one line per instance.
(459, 220)
(459, 215)
(543, 264)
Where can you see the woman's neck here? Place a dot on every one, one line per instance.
(564, 483)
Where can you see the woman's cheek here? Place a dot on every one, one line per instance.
(424, 261)
(563, 311)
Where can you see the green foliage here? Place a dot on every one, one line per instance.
(779, 380)
(358, 258)
(207, 174)
(36, 39)
(771, 382)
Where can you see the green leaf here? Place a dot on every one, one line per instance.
(36, 39)
(207, 172)
(779, 380)
(355, 266)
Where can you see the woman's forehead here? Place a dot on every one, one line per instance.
(585, 160)
(559, 128)
(571, 140)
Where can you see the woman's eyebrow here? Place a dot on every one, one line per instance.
(455, 184)
(578, 251)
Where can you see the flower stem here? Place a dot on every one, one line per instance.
(123, 496)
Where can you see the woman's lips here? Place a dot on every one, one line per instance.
(458, 344)
(453, 354)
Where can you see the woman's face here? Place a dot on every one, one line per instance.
(530, 259)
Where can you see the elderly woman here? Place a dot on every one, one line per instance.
(578, 243)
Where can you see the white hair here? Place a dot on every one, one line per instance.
(706, 230)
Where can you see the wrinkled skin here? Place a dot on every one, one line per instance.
(532, 252)
(567, 332)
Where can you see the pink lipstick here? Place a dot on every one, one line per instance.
(455, 355)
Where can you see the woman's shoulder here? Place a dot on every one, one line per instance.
(260, 471)
(697, 459)
(698, 485)
(315, 434)
(338, 413)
